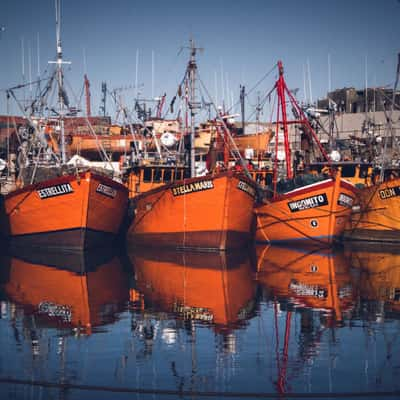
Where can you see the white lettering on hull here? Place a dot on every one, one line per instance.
(56, 190)
(106, 190)
(309, 202)
(192, 187)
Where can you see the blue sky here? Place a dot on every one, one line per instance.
(241, 39)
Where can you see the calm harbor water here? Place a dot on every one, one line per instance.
(272, 322)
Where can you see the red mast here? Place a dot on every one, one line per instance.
(280, 87)
(282, 121)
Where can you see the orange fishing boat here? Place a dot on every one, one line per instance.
(62, 298)
(212, 288)
(88, 145)
(306, 208)
(201, 212)
(55, 206)
(121, 141)
(209, 212)
(317, 279)
(73, 211)
(377, 218)
(313, 214)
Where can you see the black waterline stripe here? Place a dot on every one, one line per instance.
(395, 393)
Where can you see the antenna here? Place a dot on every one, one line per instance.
(30, 68)
(38, 55)
(329, 74)
(136, 72)
(222, 85)
(309, 79)
(152, 74)
(216, 87)
(366, 85)
(84, 61)
(23, 64)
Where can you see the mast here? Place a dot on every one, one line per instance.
(61, 94)
(103, 100)
(193, 105)
(87, 95)
(242, 98)
(280, 86)
(281, 120)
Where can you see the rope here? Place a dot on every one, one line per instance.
(181, 393)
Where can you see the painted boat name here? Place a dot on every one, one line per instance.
(308, 202)
(106, 190)
(387, 193)
(303, 289)
(246, 188)
(195, 313)
(192, 187)
(345, 200)
(55, 310)
(56, 190)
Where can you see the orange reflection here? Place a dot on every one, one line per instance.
(379, 278)
(318, 279)
(212, 287)
(80, 290)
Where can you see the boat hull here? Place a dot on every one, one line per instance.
(312, 215)
(72, 211)
(378, 219)
(212, 212)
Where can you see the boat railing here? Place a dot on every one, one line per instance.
(262, 178)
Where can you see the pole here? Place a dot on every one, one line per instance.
(281, 95)
(59, 64)
(192, 77)
(242, 97)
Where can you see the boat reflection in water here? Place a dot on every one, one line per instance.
(78, 290)
(204, 287)
(316, 279)
(378, 281)
(313, 285)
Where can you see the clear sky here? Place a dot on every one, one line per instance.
(242, 40)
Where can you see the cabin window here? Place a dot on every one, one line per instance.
(178, 175)
(364, 171)
(157, 175)
(348, 171)
(167, 175)
(147, 175)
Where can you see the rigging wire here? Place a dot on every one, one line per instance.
(236, 154)
(254, 87)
